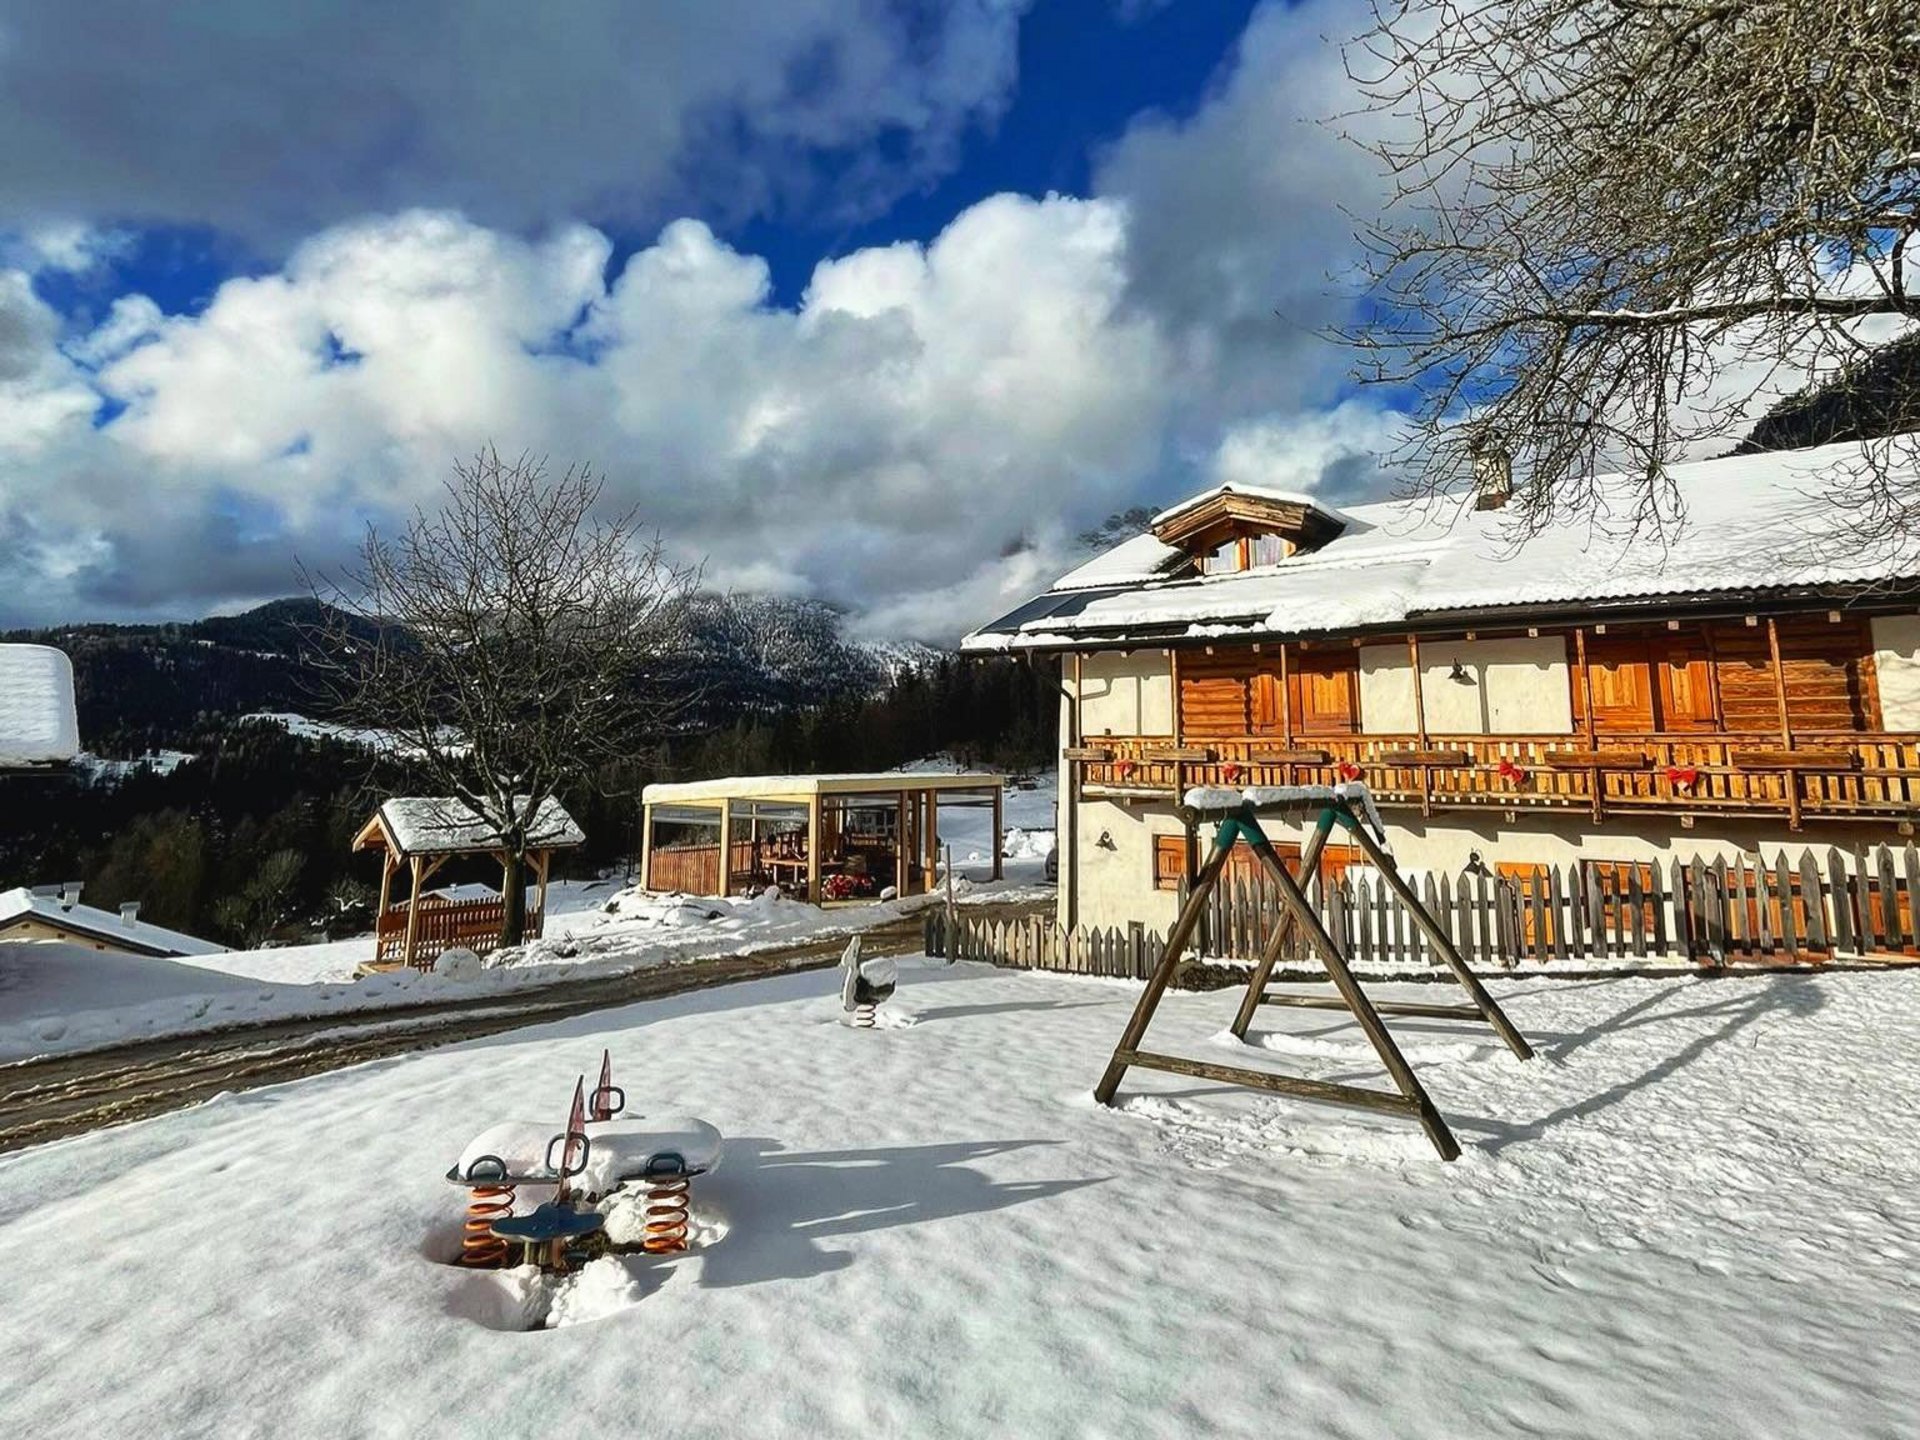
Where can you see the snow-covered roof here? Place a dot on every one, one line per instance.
(1252, 492)
(805, 787)
(1769, 521)
(37, 718)
(443, 825)
(94, 923)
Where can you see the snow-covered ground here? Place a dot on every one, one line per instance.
(1691, 1217)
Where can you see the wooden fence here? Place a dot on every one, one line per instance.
(470, 924)
(1748, 910)
(1744, 910)
(1036, 943)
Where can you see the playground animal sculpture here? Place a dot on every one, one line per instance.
(867, 984)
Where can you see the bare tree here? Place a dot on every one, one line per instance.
(1614, 222)
(510, 643)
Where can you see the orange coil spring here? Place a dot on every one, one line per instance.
(479, 1246)
(863, 1015)
(666, 1224)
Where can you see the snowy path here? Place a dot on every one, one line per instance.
(46, 1099)
(1692, 1217)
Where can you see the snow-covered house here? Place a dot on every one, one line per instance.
(54, 912)
(1573, 698)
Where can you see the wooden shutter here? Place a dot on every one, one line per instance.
(1169, 861)
(1683, 677)
(1619, 675)
(1265, 701)
(1323, 691)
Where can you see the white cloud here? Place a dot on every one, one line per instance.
(918, 409)
(919, 436)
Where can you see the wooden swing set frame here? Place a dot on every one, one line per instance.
(1237, 813)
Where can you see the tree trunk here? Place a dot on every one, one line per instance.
(513, 896)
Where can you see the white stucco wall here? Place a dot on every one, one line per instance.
(1116, 880)
(1515, 686)
(1126, 694)
(1896, 659)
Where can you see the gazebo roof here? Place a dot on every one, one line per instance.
(443, 825)
(805, 787)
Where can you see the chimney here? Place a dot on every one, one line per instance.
(70, 894)
(129, 912)
(1492, 471)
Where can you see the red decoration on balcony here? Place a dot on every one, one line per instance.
(1124, 768)
(1347, 770)
(1682, 777)
(1512, 773)
(1231, 772)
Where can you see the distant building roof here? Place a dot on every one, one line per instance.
(805, 787)
(1753, 523)
(38, 725)
(122, 932)
(443, 825)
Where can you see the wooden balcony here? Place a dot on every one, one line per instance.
(1829, 775)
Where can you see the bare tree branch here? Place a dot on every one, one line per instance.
(1613, 222)
(512, 642)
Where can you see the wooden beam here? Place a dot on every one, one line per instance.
(413, 913)
(1409, 1008)
(1791, 777)
(902, 838)
(1420, 724)
(1286, 700)
(1779, 683)
(726, 847)
(813, 848)
(1327, 1092)
(646, 846)
(1586, 705)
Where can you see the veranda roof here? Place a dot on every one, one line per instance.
(443, 825)
(806, 787)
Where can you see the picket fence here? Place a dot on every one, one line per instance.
(1744, 910)
(1036, 943)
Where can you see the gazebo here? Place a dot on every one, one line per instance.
(422, 833)
(822, 837)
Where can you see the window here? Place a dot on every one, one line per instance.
(1233, 694)
(1267, 550)
(1170, 860)
(1223, 561)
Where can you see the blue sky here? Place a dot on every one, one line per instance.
(877, 302)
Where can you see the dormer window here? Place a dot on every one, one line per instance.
(1246, 552)
(1231, 529)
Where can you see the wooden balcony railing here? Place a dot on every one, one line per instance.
(1828, 774)
(470, 924)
